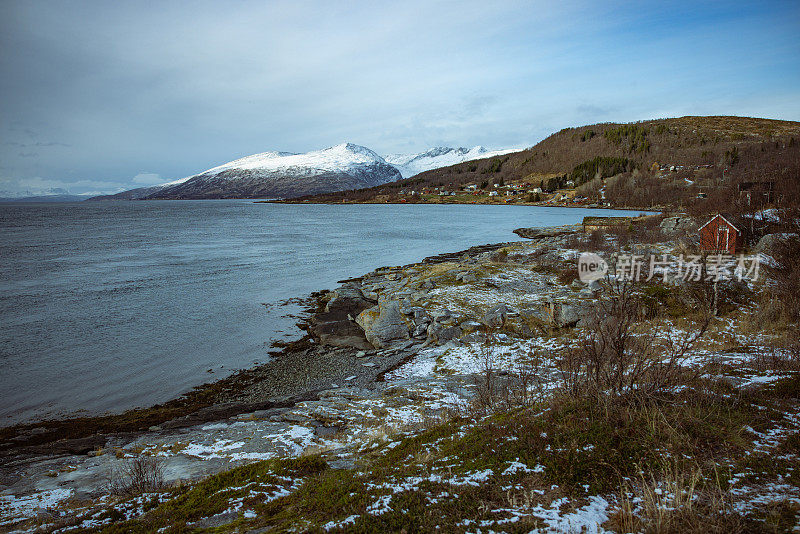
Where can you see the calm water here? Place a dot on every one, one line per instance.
(107, 306)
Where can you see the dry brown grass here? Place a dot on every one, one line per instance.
(678, 500)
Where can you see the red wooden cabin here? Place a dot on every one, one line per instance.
(723, 233)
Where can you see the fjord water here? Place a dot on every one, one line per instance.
(105, 306)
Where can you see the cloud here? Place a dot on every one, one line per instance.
(52, 143)
(103, 90)
(148, 178)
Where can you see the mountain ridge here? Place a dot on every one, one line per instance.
(276, 175)
(286, 175)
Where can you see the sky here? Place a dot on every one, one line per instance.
(99, 97)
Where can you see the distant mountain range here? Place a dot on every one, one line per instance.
(43, 198)
(288, 175)
(53, 194)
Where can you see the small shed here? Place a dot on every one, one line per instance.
(723, 233)
(591, 224)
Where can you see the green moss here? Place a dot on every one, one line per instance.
(413, 445)
(213, 495)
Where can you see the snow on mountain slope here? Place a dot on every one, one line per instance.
(280, 175)
(339, 158)
(287, 175)
(412, 164)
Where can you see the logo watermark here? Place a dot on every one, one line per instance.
(591, 267)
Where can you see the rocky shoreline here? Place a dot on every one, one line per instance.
(358, 332)
(335, 353)
(335, 348)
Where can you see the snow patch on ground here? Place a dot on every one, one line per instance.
(13, 509)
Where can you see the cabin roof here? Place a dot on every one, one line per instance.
(735, 221)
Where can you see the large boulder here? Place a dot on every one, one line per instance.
(466, 277)
(341, 333)
(536, 315)
(348, 300)
(558, 314)
(674, 225)
(421, 330)
(440, 334)
(384, 324)
(496, 316)
(567, 315)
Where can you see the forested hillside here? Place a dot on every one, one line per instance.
(695, 163)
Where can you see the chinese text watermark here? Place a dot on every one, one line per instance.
(690, 268)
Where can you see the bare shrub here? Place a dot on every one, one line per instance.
(594, 241)
(486, 395)
(527, 382)
(648, 229)
(619, 353)
(498, 389)
(567, 274)
(778, 309)
(142, 474)
(573, 240)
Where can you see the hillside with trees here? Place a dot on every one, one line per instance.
(691, 163)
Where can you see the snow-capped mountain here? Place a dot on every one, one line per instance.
(288, 175)
(279, 175)
(411, 164)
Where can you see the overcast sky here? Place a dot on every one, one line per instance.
(105, 96)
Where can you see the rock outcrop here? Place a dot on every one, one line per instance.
(336, 325)
(349, 299)
(678, 224)
(384, 324)
(552, 231)
(512, 289)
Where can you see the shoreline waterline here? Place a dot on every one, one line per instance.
(396, 235)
